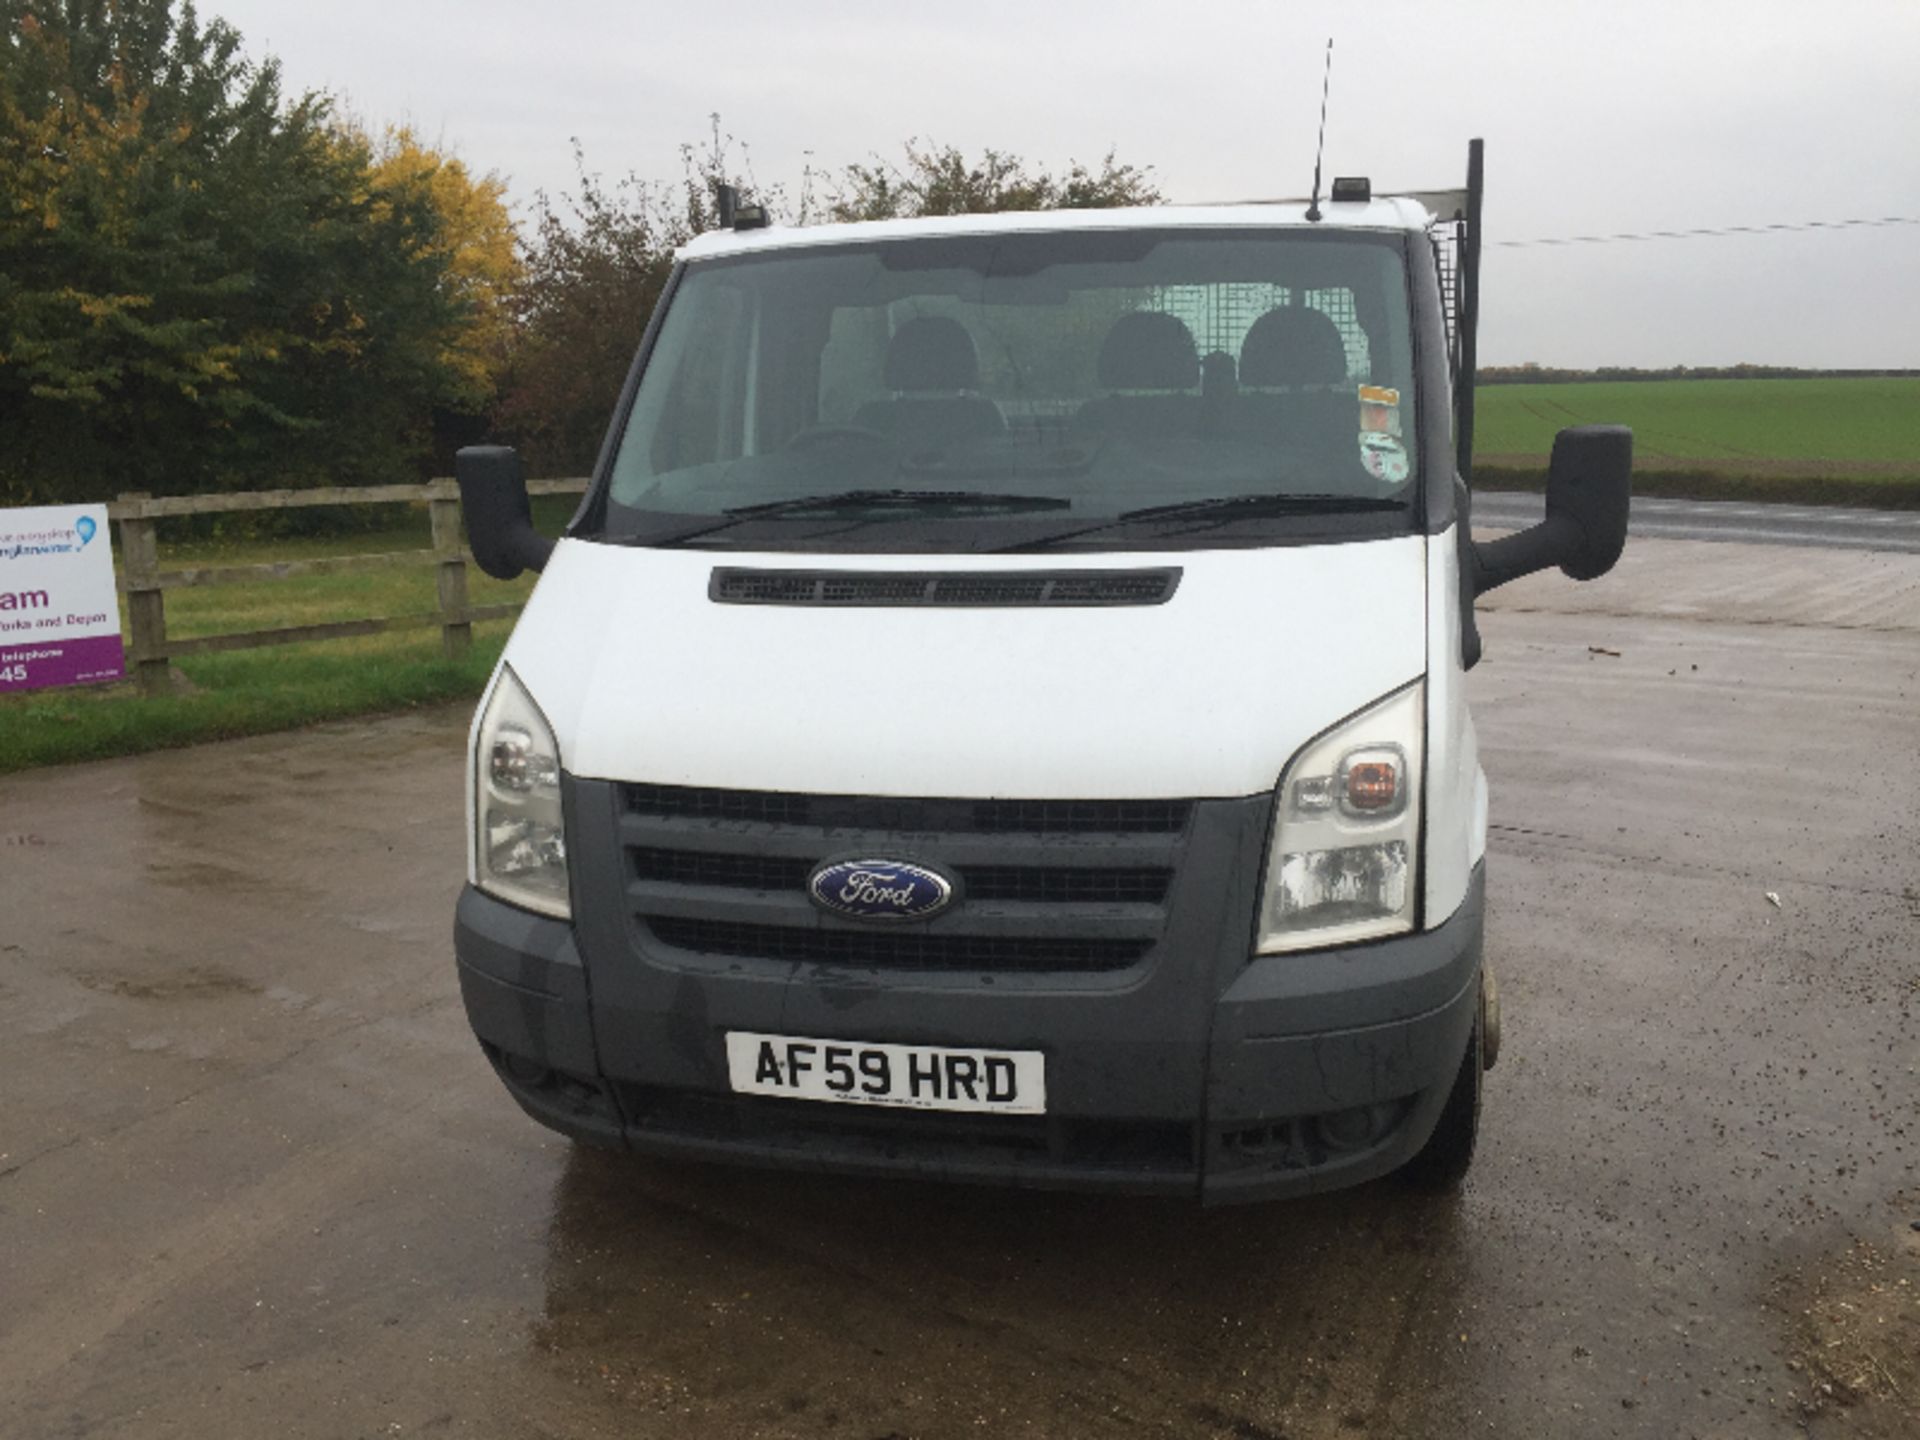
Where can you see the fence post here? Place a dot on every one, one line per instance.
(456, 635)
(146, 601)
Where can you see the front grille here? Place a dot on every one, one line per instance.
(1082, 885)
(868, 949)
(1083, 817)
(1068, 885)
(1062, 886)
(735, 872)
(763, 807)
(886, 812)
(993, 589)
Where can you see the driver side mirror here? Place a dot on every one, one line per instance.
(1589, 483)
(493, 498)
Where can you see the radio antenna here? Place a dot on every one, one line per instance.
(1319, 149)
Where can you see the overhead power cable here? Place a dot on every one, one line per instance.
(1779, 227)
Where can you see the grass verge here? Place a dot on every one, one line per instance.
(247, 692)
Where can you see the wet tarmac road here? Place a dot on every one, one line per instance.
(256, 1180)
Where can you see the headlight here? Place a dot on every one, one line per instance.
(1345, 855)
(520, 846)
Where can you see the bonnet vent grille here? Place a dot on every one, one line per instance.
(733, 586)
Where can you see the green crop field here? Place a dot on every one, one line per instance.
(1818, 426)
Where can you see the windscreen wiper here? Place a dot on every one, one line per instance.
(1224, 508)
(891, 499)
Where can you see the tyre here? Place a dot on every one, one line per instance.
(1442, 1163)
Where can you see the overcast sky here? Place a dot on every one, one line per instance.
(1599, 118)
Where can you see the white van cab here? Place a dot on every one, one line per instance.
(999, 710)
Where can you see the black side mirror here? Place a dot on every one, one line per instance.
(493, 497)
(1589, 485)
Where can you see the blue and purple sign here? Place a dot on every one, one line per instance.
(59, 618)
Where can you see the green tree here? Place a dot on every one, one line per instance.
(592, 268)
(203, 283)
(941, 180)
(478, 248)
(594, 265)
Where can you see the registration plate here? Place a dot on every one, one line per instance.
(917, 1077)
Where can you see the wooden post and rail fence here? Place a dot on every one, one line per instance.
(145, 584)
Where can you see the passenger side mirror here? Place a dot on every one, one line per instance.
(1589, 483)
(493, 497)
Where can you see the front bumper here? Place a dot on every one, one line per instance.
(1315, 1071)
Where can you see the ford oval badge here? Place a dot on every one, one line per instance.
(879, 890)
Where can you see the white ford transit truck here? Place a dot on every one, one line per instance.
(999, 711)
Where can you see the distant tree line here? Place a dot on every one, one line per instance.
(1530, 374)
(207, 283)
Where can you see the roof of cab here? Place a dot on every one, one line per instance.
(1386, 213)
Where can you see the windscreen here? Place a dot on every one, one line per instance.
(1079, 389)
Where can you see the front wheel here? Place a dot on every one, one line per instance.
(1442, 1163)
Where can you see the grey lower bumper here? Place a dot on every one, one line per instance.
(1322, 1070)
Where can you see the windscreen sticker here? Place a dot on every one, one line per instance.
(1384, 457)
(1379, 410)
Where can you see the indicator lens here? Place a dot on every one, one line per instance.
(1373, 785)
(1373, 782)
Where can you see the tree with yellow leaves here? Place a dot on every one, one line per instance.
(205, 284)
(475, 247)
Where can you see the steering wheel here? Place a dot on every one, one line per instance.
(825, 434)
